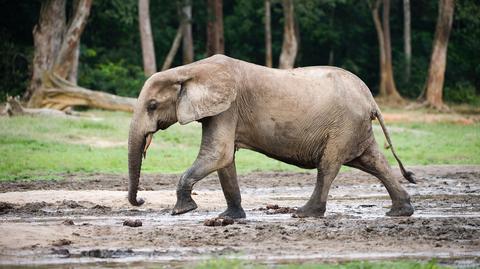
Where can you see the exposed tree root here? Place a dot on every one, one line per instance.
(425, 104)
(60, 94)
(391, 101)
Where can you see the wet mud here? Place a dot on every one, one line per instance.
(85, 219)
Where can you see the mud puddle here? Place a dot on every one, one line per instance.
(83, 225)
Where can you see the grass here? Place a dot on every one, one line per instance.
(238, 264)
(43, 147)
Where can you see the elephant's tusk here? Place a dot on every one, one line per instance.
(147, 144)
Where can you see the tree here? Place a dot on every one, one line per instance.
(215, 41)
(289, 46)
(433, 94)
(387, 90)
(173, 49)
(407, 43)
(73, 75)
(184, 30)
(47, 36)
(268, 35)
(55, 47)
(331, 54)
(186, 23)
(146, 38)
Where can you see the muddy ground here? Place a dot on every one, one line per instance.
(78, 221)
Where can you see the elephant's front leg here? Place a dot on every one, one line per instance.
(199, 170)
(231, 191)
(216, 152)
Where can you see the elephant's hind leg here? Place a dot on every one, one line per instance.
(316, 205)
(231, 191)
(374, 162)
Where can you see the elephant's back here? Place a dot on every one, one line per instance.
(351, 83)
(343, 87)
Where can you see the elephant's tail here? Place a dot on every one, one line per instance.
(408, 175)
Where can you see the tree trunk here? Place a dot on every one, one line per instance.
(186, 22)
(62, 58)
(438, 62)
(66, 55)
(146, 38)
(407, 39)
(73, 75)
(173, 50)
(289, 46)
(381, 45)
(47, 39)
(268, 35)
(215, 42)
(331, 54)
(56, 54)
(387, 89)
(390, 87)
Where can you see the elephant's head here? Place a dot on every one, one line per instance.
(184, 94)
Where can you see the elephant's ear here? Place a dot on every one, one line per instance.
(205, 95)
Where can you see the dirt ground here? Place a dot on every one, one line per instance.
(78, 221)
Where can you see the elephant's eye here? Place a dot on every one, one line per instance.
(152, 105)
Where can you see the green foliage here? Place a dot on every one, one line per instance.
(117, 78)
(335, 32)
(14, 61)
(17, 19)
(462, 92)
(239, 264)
(242, 30)
(463, 58)
(34, 147)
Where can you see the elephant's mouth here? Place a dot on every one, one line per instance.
(149, 136)
(163, 125)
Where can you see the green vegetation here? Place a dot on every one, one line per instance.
(41, 147)
(434, 143)
(329, 31)
(238, 264)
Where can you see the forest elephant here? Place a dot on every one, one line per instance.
(313, 117)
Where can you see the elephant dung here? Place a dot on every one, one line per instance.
(132, 223)
(223, 221)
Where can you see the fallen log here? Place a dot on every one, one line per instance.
(13, 107)
(60, 94)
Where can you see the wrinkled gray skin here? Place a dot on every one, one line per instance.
(313, 117)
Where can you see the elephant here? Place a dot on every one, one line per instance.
(311, 117)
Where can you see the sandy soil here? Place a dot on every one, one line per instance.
(79, 221)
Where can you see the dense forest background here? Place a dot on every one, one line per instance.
(331, 32)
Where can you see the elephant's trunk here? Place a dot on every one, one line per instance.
(136, 144)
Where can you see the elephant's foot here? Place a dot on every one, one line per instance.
(403, 210)
(184, 204)
(184, 207)
(310, 212)
(234, 213)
